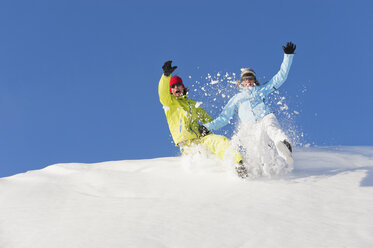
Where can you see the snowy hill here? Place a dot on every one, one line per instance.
(327, 201)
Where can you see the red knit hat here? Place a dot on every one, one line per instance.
(175, 80)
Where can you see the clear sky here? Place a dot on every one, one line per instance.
(78, 79)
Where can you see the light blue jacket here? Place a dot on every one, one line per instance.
(251, 102)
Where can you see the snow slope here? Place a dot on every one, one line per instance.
(327, 201)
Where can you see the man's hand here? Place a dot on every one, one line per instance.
(290, 48)
(203, 130)
(167, 68)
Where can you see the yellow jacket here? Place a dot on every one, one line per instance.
(182, 113)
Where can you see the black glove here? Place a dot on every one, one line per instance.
(290, 48)
(167, 69)
(203, 130)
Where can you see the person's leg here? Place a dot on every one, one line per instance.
(220, 145)
(273, 128)
(278, 137)
(188, 147)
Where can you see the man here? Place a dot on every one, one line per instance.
(251, 105)
(183, 115)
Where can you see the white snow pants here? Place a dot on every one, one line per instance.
(250, 134)
(276, 134)
(269, 125)
(273, 129)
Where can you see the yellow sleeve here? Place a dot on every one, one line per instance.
(164, 90)
(203, 116)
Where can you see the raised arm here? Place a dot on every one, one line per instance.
(164, 84)
(164, 90)
(282, 74)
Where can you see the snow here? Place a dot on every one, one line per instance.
(198, 104)
(165, 202)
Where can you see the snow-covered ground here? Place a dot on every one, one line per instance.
(327, 201)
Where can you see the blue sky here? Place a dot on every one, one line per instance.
(78, 79)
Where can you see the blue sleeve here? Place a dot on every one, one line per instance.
(280, 77)
(225, 115)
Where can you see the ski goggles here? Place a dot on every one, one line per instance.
(245, 78)
(176, 85)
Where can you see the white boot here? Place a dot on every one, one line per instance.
(284, 150)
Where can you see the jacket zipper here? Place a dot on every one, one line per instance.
(190, 124)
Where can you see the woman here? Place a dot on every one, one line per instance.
(252, 108)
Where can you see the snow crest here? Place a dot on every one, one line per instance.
(192, 201)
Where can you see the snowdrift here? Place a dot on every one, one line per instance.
(327, 201)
